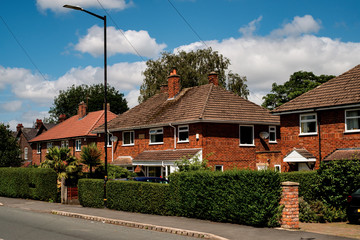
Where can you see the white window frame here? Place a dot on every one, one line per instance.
(307, 121)
(253, 136)
(65, 143)
(183, 130)
(221, 168)
(26, 153)
(77, 141)
(346, 118)
(38, 148)
(279, 166)
(109, 143)
(48, 145)
(132, 137)
(156, 133)
(272, 129)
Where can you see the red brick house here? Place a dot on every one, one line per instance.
(207, 121)
(24, 135)
(322, 124)
(73, 133)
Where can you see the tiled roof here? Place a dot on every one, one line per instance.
(75, 127)
(166, 155)
(344, 154)
(305, 153)
(342, 90)
(208, 102)
(29, 133)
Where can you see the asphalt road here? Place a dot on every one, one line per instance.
(16, 224)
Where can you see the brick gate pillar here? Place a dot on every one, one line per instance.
(290, 200)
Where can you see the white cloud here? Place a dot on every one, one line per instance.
(250, 28)
(12, 106)
(27, 119)
(57, 5)
(300, 25)
(93, 42)
(132, 98)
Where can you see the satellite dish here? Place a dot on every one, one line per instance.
(114, 138)
(264, 135)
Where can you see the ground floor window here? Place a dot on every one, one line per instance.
(78, 145)
(219, 168)
(277, 168)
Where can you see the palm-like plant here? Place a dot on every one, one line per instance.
(90, 156)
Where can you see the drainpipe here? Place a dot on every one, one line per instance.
(319, 130)
(174, 135)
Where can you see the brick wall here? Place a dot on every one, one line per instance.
(290, 201)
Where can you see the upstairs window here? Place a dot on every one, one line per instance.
(272, 134)
(156, 135)
(78, 145)
(128, 138)
(308, 124)
(352, 120)
(183, 132)
(247, 136)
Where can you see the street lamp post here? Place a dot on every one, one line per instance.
(105, 87)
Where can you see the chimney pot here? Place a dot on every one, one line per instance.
(19, 127)
(213, 78)
(38, 123)
(173, 84)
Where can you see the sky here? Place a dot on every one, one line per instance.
(45, 48)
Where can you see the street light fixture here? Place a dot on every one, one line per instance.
(105, 87)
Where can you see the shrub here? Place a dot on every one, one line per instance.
(91, 192)
(138, 197)
(34, 183)
(307, 181)
(244, 197)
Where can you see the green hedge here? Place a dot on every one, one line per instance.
(33, 183)
(307, 181)
(91, 192)
(244, 197)
(140, 197)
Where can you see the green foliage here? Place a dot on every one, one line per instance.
(237, 85)
(9, 148)
(187, 164)
(65, 165)
(140, 197)
(244, 197)
(34, 183)
(299, 83)
(67, 102)
(91, 192)
(337, 180)
(114, 172)
(193, 67)
(307, 181)
(90, 156)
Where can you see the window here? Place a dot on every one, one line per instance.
(308, 124)
(272, 134)
(48, 145)
(277, 168)
(156, 135)
(109, 143)
(246, 135)
(128, 138)
(65, 144)
(219, 168)
(352, 120)
(183, 132)
(26, 153)
(38, 147)
(261, 167)
(78, 145)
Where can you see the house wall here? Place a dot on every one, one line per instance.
(23, 143)
(332, 129)
(220, 144)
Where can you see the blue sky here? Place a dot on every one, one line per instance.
(45, 48)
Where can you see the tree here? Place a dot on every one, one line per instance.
(189, 163)
(193, 67)
(90, 156)
(67, 101)
(299, 83)
(9, 148)
(236, 84)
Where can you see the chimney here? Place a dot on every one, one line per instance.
(38, 123)
(213, 78)
(19, 127)
(62, 118)
(164, 88)
(173, 84)
(82, 110)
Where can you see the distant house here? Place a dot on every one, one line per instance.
(73, 133)
(205, 121)
(25, 135)
(322, 124)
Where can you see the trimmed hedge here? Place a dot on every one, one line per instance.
(91, 192)
(244, 197)
(307, 181)
(140, 197)
(33, 183)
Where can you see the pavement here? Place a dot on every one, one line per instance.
(187, 226)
